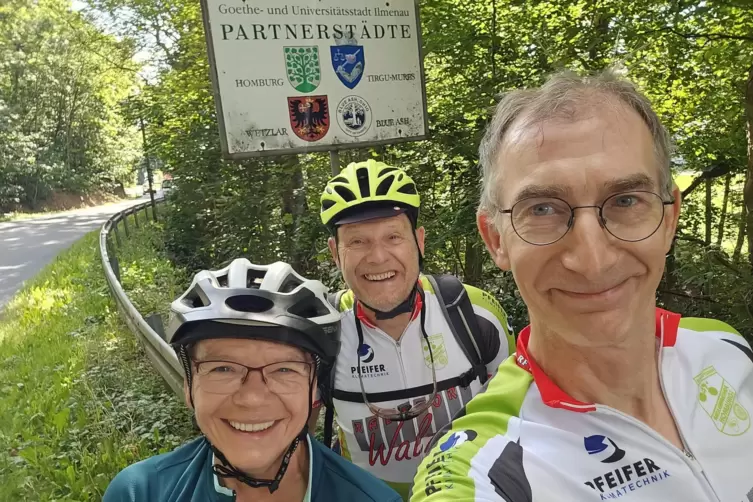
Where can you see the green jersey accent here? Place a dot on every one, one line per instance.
(484, 418)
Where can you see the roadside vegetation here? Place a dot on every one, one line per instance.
(78, 399)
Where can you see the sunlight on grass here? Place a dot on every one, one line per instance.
(78, 400)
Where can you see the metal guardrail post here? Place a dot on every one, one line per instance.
(136, 218)
(160, 354)
(125, 224)
(117, 234)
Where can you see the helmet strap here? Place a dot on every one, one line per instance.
(405, 307)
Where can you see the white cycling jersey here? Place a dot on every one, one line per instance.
(525, 440)
(392, 450)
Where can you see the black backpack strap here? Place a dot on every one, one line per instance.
(327, 390)
(463, 380)
(458, 310)
(329, 418)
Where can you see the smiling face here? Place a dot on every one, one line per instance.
(379, 259)
(589, 286)
(252, 427)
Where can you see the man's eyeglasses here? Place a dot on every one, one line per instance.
(628, 216)
(406, 411)
(224, 377)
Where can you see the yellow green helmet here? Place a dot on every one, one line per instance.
(368, 190)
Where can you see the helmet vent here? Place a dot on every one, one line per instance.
(363, 182)
(290, 283)
(248, 303)
(326, 204)
(387, 170)
(309, 309)
(409, 189)
(254, 278)
(384, 186)
(222, 280)
(345, 193)
(339, 179)
(193, 300)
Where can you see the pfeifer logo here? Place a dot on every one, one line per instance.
(366, 353)
(604, 449)
(456, 439)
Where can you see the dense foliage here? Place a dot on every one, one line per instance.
(693, 58)
(61, 82)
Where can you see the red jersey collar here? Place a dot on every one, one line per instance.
(417, 305)
(667, 324)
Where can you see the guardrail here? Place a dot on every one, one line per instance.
(160, 354)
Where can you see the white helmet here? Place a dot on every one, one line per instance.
(267, 302)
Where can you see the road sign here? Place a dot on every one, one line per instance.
(294, 77)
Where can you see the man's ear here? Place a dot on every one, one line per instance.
(187, 394)
(420, 239)
(493, 239)
(332, 244)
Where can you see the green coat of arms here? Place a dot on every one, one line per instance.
(438, 350)
(718, 400)
(302, 65)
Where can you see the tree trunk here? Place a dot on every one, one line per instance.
(474, 260)
(293, 207)
(748, 190)
(723, 216)
(708, 213)
(670, 268)
(740, 233)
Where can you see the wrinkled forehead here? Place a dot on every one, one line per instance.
(242, 350)
(603, 147)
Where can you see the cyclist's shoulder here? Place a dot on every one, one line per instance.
(477, 296)
(707, 325)
(344, 300)
(153, 478)
(482, 429)
(341, 480)
(500, 400)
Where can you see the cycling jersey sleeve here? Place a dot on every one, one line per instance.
(496, 337)
(475, 460)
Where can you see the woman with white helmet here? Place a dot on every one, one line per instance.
(251, 340)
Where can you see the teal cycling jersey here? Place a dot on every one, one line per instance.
(185, 475)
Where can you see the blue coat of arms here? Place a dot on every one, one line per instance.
(348, 62)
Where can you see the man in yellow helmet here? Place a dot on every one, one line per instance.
(415, 348)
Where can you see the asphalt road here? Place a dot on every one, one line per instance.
(26, 246)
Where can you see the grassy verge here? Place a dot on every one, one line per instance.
(78, 400)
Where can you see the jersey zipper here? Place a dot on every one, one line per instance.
(686, 455)
(693, 461)
(398, 349)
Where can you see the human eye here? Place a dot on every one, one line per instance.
(223, 369)
(625, 200)
(540, 208)
(217, 368)
(288, 368)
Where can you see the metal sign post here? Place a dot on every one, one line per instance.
(334, 162)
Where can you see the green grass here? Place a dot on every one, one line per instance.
(78, 400)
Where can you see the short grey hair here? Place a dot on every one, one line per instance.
(566, 95)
